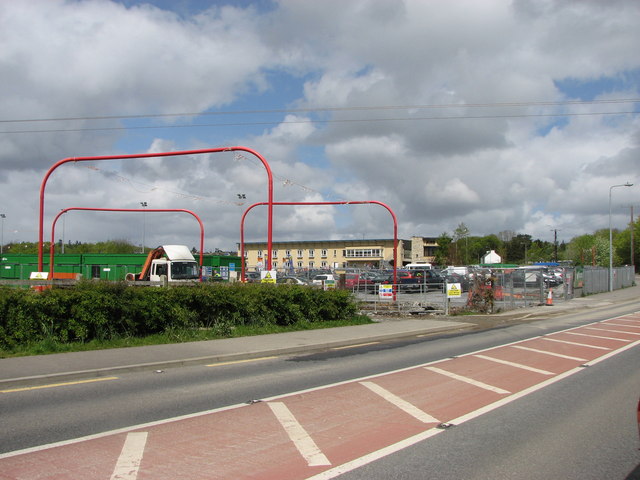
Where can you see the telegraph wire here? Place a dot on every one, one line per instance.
(331, 109)
(310, 121)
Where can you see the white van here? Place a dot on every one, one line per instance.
(322, 278)
(451, 269)
(418, 266)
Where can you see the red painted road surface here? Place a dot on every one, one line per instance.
(323, 432)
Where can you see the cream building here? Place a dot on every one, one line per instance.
(338, 254)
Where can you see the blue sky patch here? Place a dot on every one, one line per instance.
(589, 89)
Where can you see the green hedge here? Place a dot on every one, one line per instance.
(103, 311)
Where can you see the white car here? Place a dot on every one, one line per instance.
(322, 278)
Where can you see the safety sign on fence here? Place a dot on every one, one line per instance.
(268, 276)
(385, 292)
(454, 290)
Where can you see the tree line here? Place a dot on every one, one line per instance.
(462, 248)
(109, 246)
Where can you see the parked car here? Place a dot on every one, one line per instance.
(252, 277)
(419, 280)
(382, 276)
(291, 280)
(356, 281)
(324, 277)
(463, 280)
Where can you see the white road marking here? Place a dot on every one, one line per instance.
(400, 403)
(596, 336)
(611, 354)
(298, 435)
(377, 455)
(621, 325)
(612, 331)
(373, 456)
(517, 365)
(130, 457)
(553, 354)
(575, 343)
(468, 380)
(348, 466)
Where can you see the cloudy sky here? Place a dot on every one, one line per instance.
(503, 115)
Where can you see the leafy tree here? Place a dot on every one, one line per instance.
(459, 234)
(478, 246)
(579, 250)
(442, 256)
(623, 248)
(516, 250)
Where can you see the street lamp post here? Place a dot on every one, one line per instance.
(2, 216)
(144, 224)
(63, 229)
(611, 235)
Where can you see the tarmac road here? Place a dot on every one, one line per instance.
(328, 428)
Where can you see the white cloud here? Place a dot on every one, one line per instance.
(499, 170)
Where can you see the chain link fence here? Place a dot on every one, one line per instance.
(488, 290)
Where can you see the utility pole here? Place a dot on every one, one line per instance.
(555, 244)
(2, 217)
(632, 244)
(144, 205)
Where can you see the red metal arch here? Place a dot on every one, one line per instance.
(393, 216)
(153, 210)
(151, 155)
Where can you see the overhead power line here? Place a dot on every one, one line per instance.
(352, 120)
(329, 109)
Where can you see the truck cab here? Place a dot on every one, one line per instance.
(174, 270)
(173, 262)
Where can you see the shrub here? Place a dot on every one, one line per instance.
(103, 310)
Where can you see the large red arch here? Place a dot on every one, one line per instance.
(151, 155)
(353, 202)
(144, 210)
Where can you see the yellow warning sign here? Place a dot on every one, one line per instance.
(268, 277)
(39, 276)
(453, 290)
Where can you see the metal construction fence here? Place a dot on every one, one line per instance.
(596, 279)
(499, 289)
(482, 289)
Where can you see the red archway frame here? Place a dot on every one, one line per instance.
(393, 216)
(152, 155)
(153, 210)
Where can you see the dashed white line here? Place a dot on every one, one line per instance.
(298, 435)
(400, 403)
(355, 346)
(130, 457)
(545, 352)
(597, 347)
(596, 336)
(612, 331)
(621, 325)
(468, 380)
(516, 365)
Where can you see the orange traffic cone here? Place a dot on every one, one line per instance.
(550, 297)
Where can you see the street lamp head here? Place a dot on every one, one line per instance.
(628, 184)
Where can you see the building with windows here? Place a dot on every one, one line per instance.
(337, 254)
